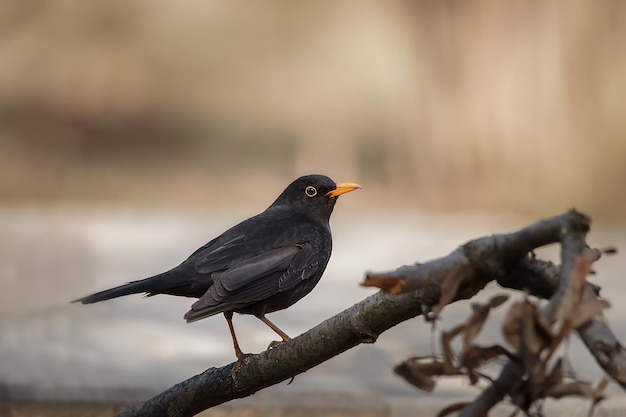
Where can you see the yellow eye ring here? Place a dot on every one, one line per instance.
(310, 191)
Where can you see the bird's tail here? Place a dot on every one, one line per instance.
(150, 286)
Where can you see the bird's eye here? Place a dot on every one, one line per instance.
(310, 191)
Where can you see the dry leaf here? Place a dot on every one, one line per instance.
(389, 285)
(497, 300)
(604, 382)
(610, 250)
(476, 356)
(587, 310)
(475, 322)
(482, 354)
(525, 329)
(536, 333)
(577, 388)
(420, 374)
(449, 287)
(599, 390)
(512, 325)
(446, 340)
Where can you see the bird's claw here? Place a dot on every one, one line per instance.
(240, 359)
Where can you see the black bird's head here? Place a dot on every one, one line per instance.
(313, 195)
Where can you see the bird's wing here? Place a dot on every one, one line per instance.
(246, 240)
(256, 279)
(302, 267)
(258, 267)
(249, 280)
(220, 257)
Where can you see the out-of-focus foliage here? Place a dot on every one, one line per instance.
(492, 105)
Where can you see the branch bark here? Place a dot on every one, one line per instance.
(497, 257)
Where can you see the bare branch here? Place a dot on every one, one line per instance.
(497, 257)
(576, 259)
(361, 323)
(491, 257)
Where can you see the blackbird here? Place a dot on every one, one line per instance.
(263, 264)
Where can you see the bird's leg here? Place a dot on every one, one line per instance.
(240, 355)
(279, 332)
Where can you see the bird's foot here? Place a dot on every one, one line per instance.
(240, 359)
(276, 343)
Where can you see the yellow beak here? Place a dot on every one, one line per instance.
(342, 188)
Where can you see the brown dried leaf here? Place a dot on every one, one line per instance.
(587, 310)
(577, 388)
(497, 300)
(604, 382)
(512, 325)
(420, 374)
(525, 329)
(476, 356)
(543, 327)
(446, 340)
(537, 333)
(610, 250)
(475, 322)
(390, 285)
(449, 287)
(576, 284)
(599, 390)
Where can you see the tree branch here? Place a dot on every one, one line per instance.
(596, 335)
(495, 257)
(361, 323)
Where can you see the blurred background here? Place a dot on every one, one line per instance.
(491, 105)
(133, 132)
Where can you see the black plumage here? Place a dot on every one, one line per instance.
(263, 264)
